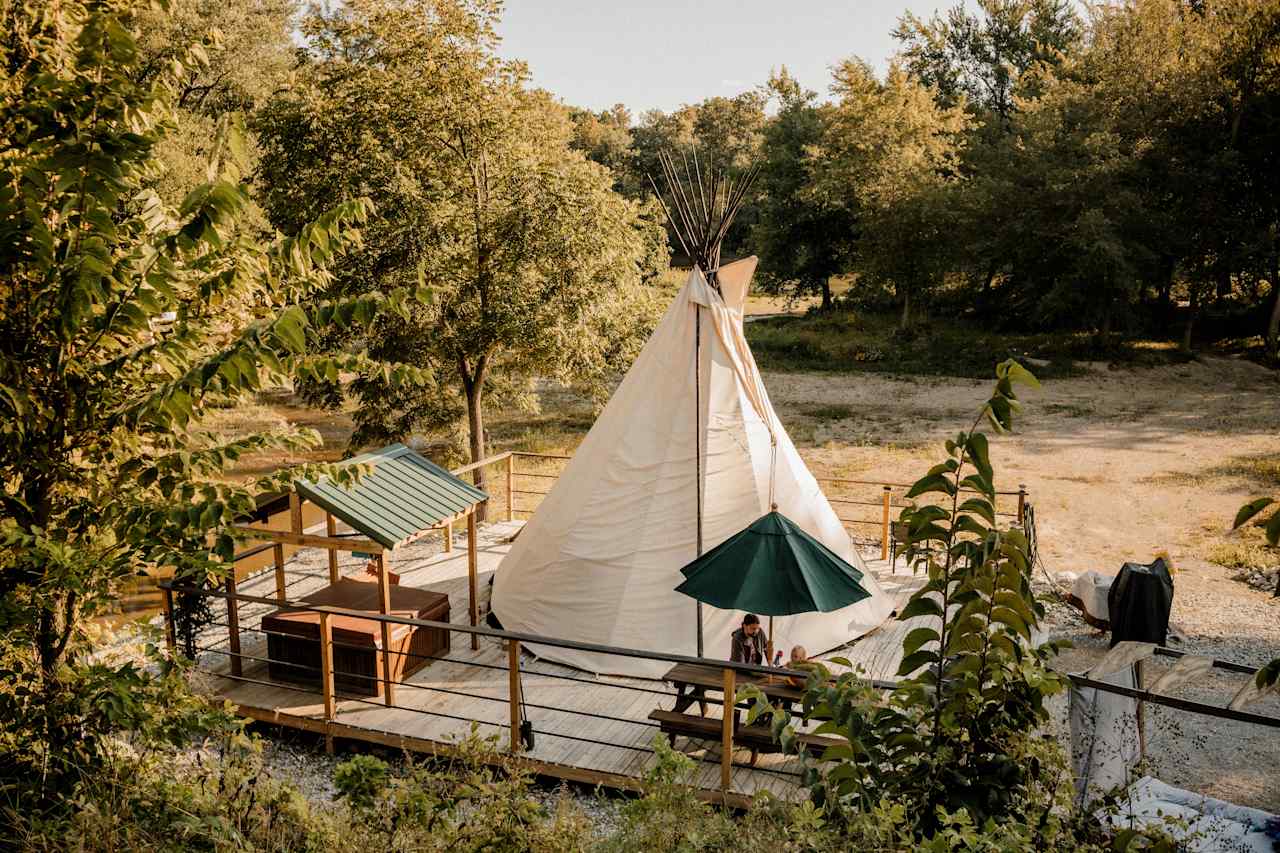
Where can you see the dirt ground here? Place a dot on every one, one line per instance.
(1120, 465)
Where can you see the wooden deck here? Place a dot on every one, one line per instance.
(588, 729)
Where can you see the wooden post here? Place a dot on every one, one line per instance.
(331, 530)
(1140, 711)
(884, 526)
(473, 560)
(1022, 504)
(233, 624)
(448, 538)
(513, 691)
(295, 513)
(170, 631)
(278, 550)
(326, 677)
(384, 607)
(511, 487)
(726, 730)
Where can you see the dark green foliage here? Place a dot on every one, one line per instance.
(105, 474)
(958, 735)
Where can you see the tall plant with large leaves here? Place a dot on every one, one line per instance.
(106, 469)
(957, 731)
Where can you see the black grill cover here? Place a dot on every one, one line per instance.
(1139, 601)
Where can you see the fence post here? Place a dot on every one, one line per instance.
(233, 624)
(331, 530)
(448, 537)
(170, 631)
(1022, 504)
(726, 730)
(326, 678)
(511, 484)
(513, 691)
(884, 526)
(384, 606)
(278, 551)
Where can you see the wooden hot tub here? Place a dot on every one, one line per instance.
(293, 637)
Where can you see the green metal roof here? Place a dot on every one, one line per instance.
(404, 494)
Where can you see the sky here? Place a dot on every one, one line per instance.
(662, 54)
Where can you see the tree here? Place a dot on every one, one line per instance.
(605, 138)
(889, 155)
(250, 52)
(978, 59)
(803, 237)
(107, 467)
(534, 263)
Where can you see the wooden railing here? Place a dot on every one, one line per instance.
(859, 504)
(732, 674)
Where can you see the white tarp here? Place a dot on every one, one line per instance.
(1196, 822)
(1104, 735)
(600, 559)
(1092, 588)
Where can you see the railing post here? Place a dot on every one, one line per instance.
(1022, 504)
(513, 690)
(331, 530)
(473, 575)
(278, 551)
(233, 623)
(326, 677)
(726, 730)
(170, 631)
(384, 606)
(511, 485)
(448, 537)
(884, 525)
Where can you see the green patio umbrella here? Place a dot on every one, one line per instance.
(773, 568)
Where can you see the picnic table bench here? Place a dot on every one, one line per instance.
(692, 683)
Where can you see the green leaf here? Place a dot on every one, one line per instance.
(916, 638)
(1251, 509)
(932, 483)
(1272, 530)
(911, 663)
(920, 606)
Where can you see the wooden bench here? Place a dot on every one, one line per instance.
(756, 738)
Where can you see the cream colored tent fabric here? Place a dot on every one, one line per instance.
(600, 559)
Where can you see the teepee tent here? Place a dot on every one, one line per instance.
(687, 452)
(600, 559)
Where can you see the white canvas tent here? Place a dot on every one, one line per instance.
(601, 557)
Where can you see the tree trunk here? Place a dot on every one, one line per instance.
(905, 322)
(473, 388)
(1224, 284)
(1165, 295)
(475, 425)
(1192, 310)
(826, 293)
(1273, 327)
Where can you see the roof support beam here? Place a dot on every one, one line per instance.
(306, 540)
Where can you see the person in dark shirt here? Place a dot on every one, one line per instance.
(749, 644)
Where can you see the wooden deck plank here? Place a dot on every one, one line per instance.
(406, 725)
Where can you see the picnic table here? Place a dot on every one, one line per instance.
(693, 681)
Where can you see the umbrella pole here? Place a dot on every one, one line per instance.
(769, 645)
(697, 440)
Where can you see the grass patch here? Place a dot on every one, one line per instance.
(828, 412)
(850, 341)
